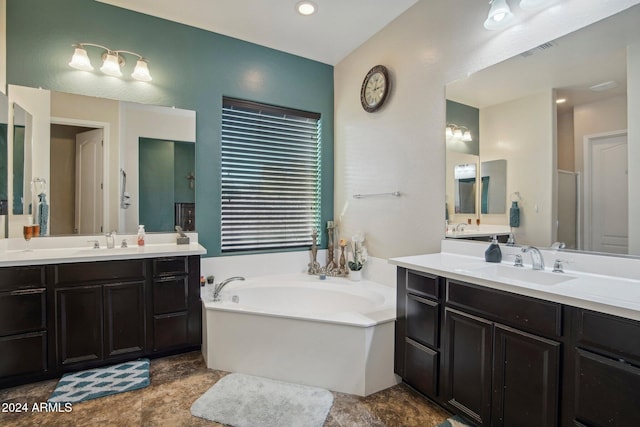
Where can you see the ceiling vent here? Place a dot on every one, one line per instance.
(541, 48)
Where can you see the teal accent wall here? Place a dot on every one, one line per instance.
(4, 191)
(156, 184)
(191, 69)
(184, 153)
(465, 115)
(162, 182)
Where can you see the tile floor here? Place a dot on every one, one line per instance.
(177, 381)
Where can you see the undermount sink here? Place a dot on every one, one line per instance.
(522, 274)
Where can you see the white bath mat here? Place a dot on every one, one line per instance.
(243, 400)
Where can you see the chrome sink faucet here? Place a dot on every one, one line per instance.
(459, 226)
(219, 286)
(537, 260)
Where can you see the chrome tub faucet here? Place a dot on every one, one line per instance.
(218, 288)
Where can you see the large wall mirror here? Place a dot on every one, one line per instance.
(4, 173)
(559, 124)
(102, 165)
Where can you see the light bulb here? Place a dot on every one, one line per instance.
(466, 137)
(80, 60)
(306, 8)
(449, 132)
(141, 71)
(111, 65)
(499, 15)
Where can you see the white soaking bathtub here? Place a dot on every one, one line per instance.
(331, 333)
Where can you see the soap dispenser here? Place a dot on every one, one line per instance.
(141, 235)
(493, 252)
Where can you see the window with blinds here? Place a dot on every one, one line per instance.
(270, 176)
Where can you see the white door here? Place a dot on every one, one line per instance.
(606, 193)
(88, 218)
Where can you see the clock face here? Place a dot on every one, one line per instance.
(375, 88)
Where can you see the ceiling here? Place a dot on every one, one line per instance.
(334, 31)
(570, 64)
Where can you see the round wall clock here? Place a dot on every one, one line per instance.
(375, 88)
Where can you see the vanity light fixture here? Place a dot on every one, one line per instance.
(112, 63)
(461, 133)
(306, 8)
(499, 15)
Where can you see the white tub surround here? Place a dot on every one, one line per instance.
(60, 250)
(601, 283)
(331, 333)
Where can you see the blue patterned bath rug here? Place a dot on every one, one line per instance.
(455, 421)
(93, 383)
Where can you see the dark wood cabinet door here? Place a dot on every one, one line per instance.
(525, 379)
(79, 324)
(607, 391)
(124, 318)
(421, 368)
(467, 365)
(170, 294)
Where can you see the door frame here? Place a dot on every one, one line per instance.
(105, 126)
(588, 141)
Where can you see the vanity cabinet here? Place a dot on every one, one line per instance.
(23, 333)
(176, 316)
(99, 310)
(495, 372)
(606, 375)
(490, 355)
(418, 330)
(72, 316)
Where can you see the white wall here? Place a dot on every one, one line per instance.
(147, 121)
(523, 132)
(633, 111)
(401, 147)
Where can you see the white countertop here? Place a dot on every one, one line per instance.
(619, 296)
(60, 250)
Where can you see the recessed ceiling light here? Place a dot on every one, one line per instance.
(306, 8)
(561, 100)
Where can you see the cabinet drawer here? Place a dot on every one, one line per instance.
(606, 391)
(423, 284)
(12, 278)
(170, 266)
(614, 335)
(421, 368)
(23, 354)
(423, 322)
(514, 310)
(22, 311)
(170, 294)
(169, 331)
(84, 272)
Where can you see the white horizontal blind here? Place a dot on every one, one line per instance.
(270, 176)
